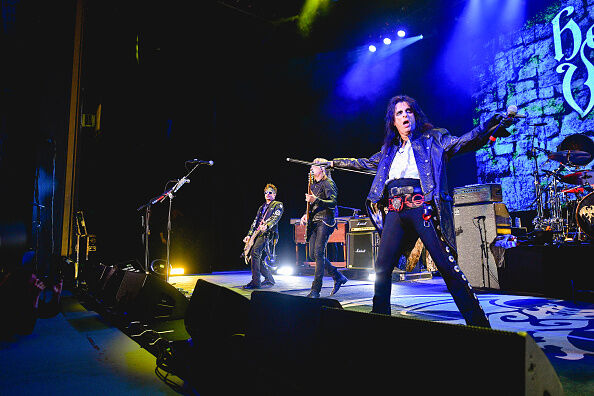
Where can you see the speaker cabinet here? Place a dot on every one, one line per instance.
(362, 249)
(135, 295)
(147, 298)
(476, 228)
(216, 312)
(109, 284)
(428, 358)
(282, 329)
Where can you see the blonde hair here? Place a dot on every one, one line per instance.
(272, 186)
(326, 171)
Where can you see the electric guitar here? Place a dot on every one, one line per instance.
(308, 230)
(247, 249)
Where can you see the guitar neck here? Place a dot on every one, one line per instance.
(308, 205)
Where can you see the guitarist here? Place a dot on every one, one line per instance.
(264, 229)
(321, 222)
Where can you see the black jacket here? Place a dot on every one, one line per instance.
(431, 149)
(271, 217)
(324, 207)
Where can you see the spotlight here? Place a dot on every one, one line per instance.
(387, 41)
(371, 276)
(372, 48)
(401, 33)
(176, 271)
(286, 270)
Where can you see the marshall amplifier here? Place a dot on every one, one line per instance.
(362, 249)
(478, 193)
(361, 224)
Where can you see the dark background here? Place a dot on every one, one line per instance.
(232, 82)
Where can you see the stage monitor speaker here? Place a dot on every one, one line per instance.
(476, 227)
(135, 295)
(216, 312)
(92, 276)
(109, 284)
(428, 357)
(282, 329)
(147, 298)
(362, 249)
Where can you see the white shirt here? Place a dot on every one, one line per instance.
(404, 164)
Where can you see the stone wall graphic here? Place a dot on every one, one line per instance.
(546, 70)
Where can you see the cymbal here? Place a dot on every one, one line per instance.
(582, 177)
(577, 142)
(574, 190)
(571, 157)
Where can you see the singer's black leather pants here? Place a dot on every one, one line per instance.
(399, 229)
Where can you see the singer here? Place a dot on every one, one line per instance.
(409, 199)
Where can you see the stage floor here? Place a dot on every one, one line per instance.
(79, 347)
(563, 329)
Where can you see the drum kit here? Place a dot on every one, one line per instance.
(565, 204)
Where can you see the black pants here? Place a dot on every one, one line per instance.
(400, 228)
(317, 251)
(256, 264)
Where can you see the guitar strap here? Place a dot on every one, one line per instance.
(263, 216)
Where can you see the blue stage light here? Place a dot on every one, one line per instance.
(401, 33)
(372, 48)
(387, 41)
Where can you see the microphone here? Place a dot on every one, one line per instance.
(180, 183)
(201, 162)
(512, 112)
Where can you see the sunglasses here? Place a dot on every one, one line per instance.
(268, 192)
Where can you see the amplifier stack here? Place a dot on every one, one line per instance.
(479, 218)
(362, 243)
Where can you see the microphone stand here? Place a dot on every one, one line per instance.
(539, 221)
(355, 210)
(167, 194)
(326, 165)
(146, 217)
(484, 250)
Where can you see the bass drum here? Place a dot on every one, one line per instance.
(584, 215)
(568, 211)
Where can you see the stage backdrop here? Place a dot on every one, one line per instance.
(545, 69)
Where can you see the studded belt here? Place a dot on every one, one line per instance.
(395, 191)
(401, 202)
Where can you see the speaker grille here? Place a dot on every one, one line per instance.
(476, 227)
(362, 249)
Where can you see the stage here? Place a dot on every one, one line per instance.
(563, 328)
(80, 345)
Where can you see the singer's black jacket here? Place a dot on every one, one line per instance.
(431, 149)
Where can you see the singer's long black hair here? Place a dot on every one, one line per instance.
(421, 121)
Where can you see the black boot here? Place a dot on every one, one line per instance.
(251, 286)
(268, 282)
(339, 281)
